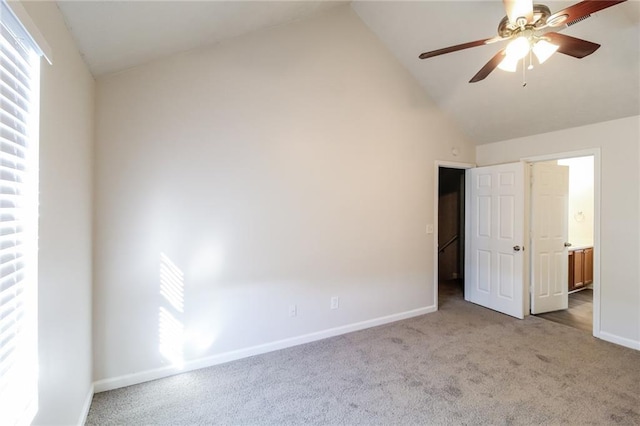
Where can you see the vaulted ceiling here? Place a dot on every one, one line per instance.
(561, 93)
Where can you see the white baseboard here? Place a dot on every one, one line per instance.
(622, 341)
(86, 406)
(158, 373)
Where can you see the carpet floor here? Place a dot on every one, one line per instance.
(461, 365)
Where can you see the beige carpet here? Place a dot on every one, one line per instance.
(461, 365)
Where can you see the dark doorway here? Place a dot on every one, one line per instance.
(450, 233)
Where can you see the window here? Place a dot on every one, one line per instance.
(19, 104)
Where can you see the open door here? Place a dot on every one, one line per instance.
(549, 236)
(494, 265)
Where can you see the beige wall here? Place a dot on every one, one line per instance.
(65, 234)
(619, 142)
(275, 169)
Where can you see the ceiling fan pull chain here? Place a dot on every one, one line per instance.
(524, 72)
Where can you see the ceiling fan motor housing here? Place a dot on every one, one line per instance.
(508, 29)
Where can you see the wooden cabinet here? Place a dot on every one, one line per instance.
(580, 268)
(588, 266)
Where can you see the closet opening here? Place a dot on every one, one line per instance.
(451, 233)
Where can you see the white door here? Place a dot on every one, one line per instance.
(549, 233)
(494, 263)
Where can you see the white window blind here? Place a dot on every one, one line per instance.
(19, 104)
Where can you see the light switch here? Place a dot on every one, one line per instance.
(430, 228)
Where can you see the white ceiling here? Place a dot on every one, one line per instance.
(564, 92)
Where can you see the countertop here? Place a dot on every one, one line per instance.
(580, 247)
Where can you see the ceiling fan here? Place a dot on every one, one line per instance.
(533, 30)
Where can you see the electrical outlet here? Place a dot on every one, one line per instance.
(293, 310)
(335, 302)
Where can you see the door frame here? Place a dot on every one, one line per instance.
(595, 152)
(448, 165)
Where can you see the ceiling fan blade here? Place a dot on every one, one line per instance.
(578, 11)
(518, 8)
(488, 67)
(457, 47)
(572, 46)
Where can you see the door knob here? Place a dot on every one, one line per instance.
(567, 244)
(516, 248)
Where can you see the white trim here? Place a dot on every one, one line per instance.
(454, 165)
(436, 190)
(158, 373)
(562, 155)
(86, 406)
(623, 341)
(23, 16)
(597, 178)
(527, 240)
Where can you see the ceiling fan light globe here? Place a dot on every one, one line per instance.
(518, 48)
(543, 50)
(509, 64)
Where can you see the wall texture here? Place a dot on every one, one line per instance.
(619, 142)
(65, 245)
(276, 169)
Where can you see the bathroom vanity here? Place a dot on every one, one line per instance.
(580, 267)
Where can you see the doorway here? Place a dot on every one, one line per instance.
(451, 233)
(594, 154)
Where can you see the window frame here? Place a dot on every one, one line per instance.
(20, 59)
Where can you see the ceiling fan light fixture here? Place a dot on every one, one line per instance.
(518, 48)
(543, 50)
(509, 63)
(529, 29)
